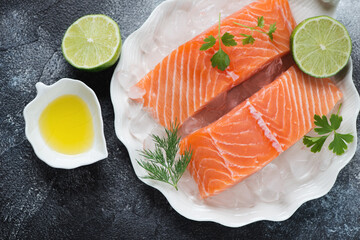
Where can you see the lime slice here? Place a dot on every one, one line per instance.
(92, 43)
(321, 46)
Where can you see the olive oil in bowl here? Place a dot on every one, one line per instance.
(66, 125)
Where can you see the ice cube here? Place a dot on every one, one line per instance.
(301, 160)
(254, 183)
(163, 49)
(174, 31)
(138, 71)
(149, 143)
(158, 130)
(236, 197)
(204, 14)
(125, 79)
(188, 186)
(226, 199)
(168, 32)
(182, 27)
(148, 46)
(142, 125)
(272, 182)
(134, 109)
(267, 184)
(136, 92)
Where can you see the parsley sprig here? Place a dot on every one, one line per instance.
(249, 39)
(338, 145)
(220, 59)
(160, 163)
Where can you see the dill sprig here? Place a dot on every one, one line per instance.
(161, 163)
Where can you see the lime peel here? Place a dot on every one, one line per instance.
(321, 46)
(92, 43)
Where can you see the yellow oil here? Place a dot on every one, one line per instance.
(66, 125)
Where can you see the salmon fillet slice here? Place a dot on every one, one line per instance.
(184, 82)
(258, 130)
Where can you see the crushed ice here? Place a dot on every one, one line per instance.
(136, 92)
(267, 184)
(134, 109)
(125, 79)
(142, 125)
(239, 196)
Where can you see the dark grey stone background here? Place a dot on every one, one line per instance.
(106, 200)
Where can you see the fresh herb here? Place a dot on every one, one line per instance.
(160, 163)
(338, 145)
(249, 39)
(210, 42)
(220, 59)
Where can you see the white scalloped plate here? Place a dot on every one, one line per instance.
(275, 192)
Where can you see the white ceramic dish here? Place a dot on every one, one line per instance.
(32, 112)
(275, 192)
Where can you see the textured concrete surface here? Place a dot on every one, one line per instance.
(106, 200)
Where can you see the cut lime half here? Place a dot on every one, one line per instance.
(321, 46)
(92, 43)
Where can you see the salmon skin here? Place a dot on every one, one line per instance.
(258, 130)
(184, 81)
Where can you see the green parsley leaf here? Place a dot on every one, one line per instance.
(338, 145)
(220, 60)
(335, 121)
(210, 42)
(323, 124)
(315, 142)
(261, 22)
(248, 39)
(228, 40)
(271, 31)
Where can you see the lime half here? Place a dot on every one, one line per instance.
(321, 46)
(92, 43)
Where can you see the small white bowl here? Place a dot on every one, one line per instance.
(45, 95)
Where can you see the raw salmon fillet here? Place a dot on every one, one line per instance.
(184, 82)
(258, 130)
